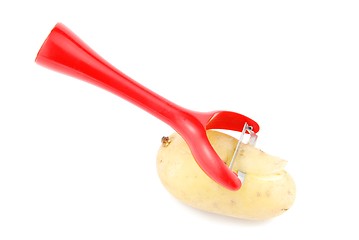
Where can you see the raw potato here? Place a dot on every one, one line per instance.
(267, 190)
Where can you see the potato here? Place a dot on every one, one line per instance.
(267, 189)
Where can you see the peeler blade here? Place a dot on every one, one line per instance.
(252, 141)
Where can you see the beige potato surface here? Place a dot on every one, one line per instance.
(267, 190)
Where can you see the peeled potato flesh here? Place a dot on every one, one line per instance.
(267, 190)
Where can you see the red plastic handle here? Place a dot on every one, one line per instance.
(84, 63)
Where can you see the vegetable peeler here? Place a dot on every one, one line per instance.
(65, 52)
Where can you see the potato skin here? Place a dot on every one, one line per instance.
(260, 197)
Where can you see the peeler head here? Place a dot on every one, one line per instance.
(202, 150)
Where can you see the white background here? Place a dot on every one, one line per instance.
(77, 162)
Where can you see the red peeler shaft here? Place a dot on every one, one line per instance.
(64, 52)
